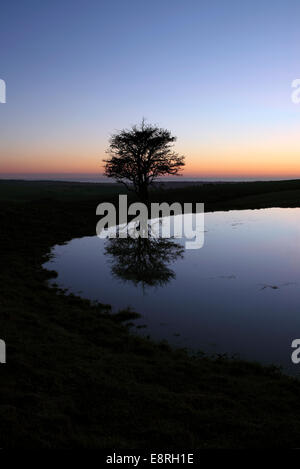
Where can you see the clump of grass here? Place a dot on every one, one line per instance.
(126, 315)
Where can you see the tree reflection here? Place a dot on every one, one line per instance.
(143, 261)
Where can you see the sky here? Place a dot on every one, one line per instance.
(217, 74)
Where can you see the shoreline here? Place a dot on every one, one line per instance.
(66, 356)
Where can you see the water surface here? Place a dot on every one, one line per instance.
(239, 294)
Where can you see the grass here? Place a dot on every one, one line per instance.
(76, 378)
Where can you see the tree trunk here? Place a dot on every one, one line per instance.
(144, 194)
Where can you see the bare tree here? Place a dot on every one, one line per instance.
(140, 155)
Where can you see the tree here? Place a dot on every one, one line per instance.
(143, 261)
(140, 155)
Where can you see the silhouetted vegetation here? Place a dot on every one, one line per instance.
(140, 155)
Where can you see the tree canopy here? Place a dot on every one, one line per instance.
(138, 156)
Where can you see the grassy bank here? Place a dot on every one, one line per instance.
(74, 375)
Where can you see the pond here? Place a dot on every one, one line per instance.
(239, 294)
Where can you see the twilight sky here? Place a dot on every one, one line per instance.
(216, 73)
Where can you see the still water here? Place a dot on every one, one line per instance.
(238, 294)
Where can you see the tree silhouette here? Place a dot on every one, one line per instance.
(143, 260)
(140, 155)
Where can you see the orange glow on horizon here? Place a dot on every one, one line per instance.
(261, 156)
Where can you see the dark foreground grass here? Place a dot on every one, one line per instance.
(76, 378)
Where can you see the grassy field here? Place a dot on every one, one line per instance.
(76, 378)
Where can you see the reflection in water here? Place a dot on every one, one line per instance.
(239, 294)
(143, 261)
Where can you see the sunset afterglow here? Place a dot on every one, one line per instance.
(222, 86)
